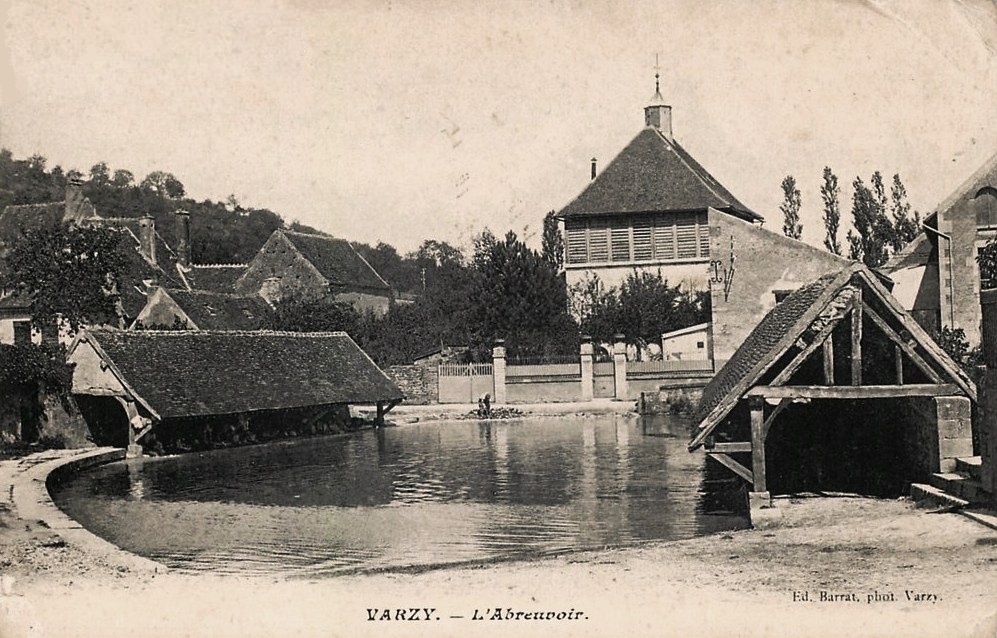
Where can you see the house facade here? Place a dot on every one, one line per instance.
(936, 275)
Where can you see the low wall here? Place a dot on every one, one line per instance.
(668, 388)
(543, 389)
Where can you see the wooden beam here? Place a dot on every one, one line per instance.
(733, 466)
(779, 408)
(758, 444)
(379, 420)
(804, 354)
(143, 432)
(935, 353)
(730, 447)
(898, 361)
(903, 345)
(857, 338)
(828, 352)
(853, 391)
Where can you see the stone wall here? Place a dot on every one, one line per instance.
(959, 275)
(419, 384)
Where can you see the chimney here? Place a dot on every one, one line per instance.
(593, 167)
(183, 237)
(270, 290)
(147, 237)
(74, 200)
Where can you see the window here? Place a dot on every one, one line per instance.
(781, 294)
(22, 332)
(700, 345)
(985, 204)
(660, 238)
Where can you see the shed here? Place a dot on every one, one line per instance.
(837, 388)
(163, 376)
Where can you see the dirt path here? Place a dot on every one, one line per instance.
(739, 583)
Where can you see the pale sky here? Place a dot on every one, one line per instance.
(398, 121)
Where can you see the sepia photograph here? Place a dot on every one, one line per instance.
(391, 318)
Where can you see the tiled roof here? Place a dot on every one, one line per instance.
(337, 261)
(654, 174)
(916, 253)
(219, 311)
(215, 277)
(197, 373)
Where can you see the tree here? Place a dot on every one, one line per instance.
(905, 229)
(520, 298)
(553, 241)
(100, 173)
(642, 309)
(869, 242)
(791, 226)
(69, 271)
(829, 192)
(122, 178)
(163, 184)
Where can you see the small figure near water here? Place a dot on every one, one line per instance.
(485, 407)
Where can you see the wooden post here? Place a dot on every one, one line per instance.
(379, 420)
(898, 357)
(758, 443)
(857, 339)
(828, 350)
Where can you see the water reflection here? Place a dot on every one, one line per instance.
(416, 494)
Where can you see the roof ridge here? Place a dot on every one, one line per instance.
(231, 333)
(218, 265)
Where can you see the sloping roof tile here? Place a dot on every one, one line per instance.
(199, 373)
(654, 174)
(215, 277)
(772, 329)
(219, 311)
(337, 261)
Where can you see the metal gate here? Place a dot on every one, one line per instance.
(604, 380)
(465, 382)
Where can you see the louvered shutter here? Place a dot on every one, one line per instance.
(620, 239)
(642, 240)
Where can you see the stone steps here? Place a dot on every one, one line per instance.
(960, 485)
(922, 493)
(970, 465)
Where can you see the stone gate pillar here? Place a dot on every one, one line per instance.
(620, 367)
(498, 370)
(588, 375)
(955, 430)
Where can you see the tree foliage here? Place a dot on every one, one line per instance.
(552, 247)
(877, 235)
(520, 297)
(790, 207)
(69, 271)
(830, 194)
(642, 309)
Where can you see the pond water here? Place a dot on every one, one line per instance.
(417, 494)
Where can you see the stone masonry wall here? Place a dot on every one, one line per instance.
(763, 262)
(959, 281)
(419, 384)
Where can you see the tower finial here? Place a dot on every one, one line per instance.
(657, 69)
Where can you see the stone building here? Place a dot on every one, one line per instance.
(647, 209)
(937, 276)
(292, 264)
